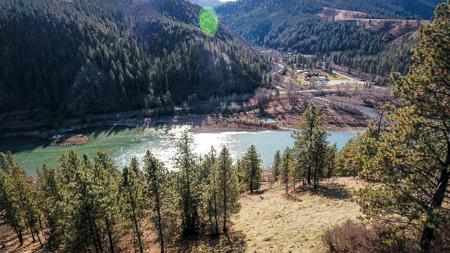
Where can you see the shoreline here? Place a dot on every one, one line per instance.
(280, 114)
(193, 128)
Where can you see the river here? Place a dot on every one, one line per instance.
(124, 143)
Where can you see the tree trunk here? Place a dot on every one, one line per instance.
(286, 184)
(216, 216)
(94, 232)
(32, 234)
(19, 235)
(210, 213)
(251, 180)
(135, 222)
(438, 199)
(225, 200)
(160, 225)
(309, 175)
(110, 236)
(39, 238)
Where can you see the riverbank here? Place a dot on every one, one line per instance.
(276, 112)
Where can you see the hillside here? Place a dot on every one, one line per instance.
(268, 221)
(322, 28)
(66, 58)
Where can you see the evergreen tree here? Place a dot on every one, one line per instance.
(228, 185)
(21, 194)
(311, 145)
(133, 195)
(253, 169)
(285, 168)
(107, 179)
(330, 160)
(188, 186)
(412, 153)
(50, 198)
(11, 211)
(156, 176)
(276, 165)
(210, 164)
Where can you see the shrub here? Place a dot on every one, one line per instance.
(352, 237)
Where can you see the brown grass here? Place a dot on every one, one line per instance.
(272, 222)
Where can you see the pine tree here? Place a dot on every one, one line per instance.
(156, 178)
(107, 179)
(188, 186)
(285, 168)
(330, 160)
(253, 169)
(212, 190)
(276, 165)
(227, 184)
(311, 145)
(11, 211)
(22, 194)
(412, 153)
(50, 198)
(133, 195)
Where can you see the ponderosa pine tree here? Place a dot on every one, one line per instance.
(49, 201)
(133, 196)
(107, 179)
(212, 190)
(10, 210)
(20, 191)
(82, 232)
(228, 185)
(253, 169)
(276, 165)
(310, 145)
(330, 161)
(412, 159)
(156, 175)
(189, 187)
(89, 196)
(285, 168)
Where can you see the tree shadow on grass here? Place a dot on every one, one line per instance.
(330, 190)
(232, 242)
(333, 191)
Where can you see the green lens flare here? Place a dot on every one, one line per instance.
(209, 23)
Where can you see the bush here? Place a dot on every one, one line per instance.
(349, 237)
(352, 237)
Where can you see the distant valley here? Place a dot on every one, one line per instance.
(369, 37)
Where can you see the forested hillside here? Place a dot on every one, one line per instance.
(77, 57)
(296, 26)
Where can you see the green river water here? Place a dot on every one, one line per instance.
(125, 143)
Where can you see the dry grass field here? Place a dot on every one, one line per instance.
(274, 222)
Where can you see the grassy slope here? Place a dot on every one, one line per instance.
(273, 222)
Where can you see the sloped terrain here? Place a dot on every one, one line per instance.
(66, 58)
